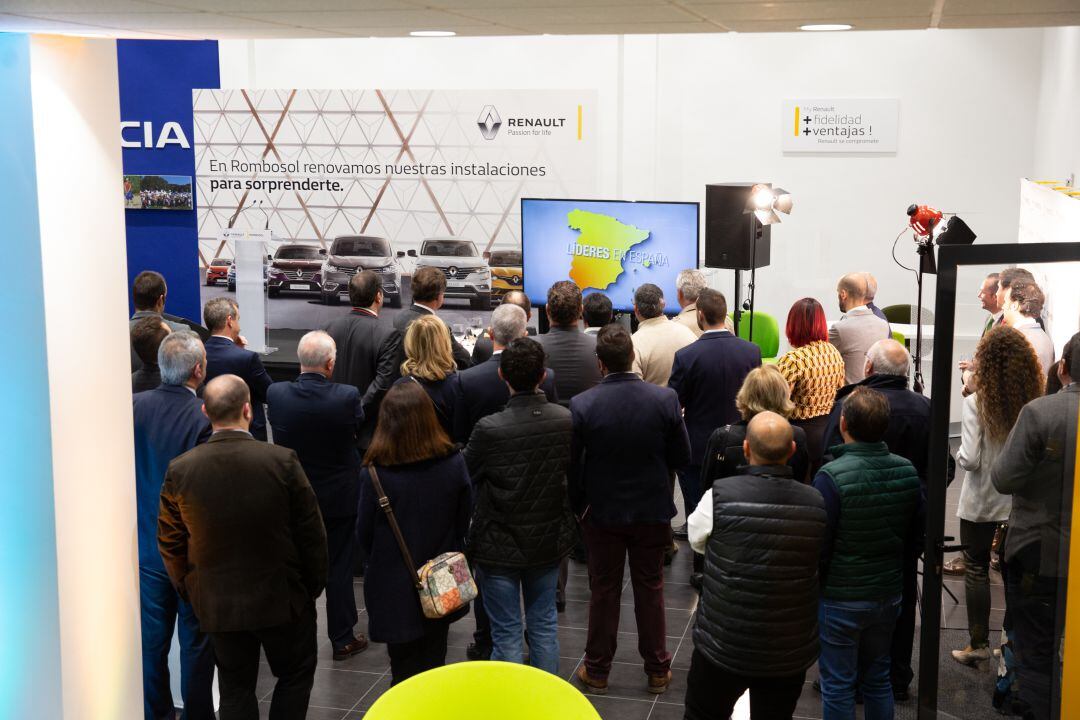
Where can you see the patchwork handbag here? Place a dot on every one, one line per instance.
(444, 583)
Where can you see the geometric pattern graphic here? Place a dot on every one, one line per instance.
(408, 164)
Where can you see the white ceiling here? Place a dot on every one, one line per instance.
(395, 18)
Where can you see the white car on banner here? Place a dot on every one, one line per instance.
(467, 273)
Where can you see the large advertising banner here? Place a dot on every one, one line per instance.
(387, 180)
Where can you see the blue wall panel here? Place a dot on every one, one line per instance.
(29, 604)
(156, 80)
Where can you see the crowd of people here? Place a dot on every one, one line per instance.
(803, 483)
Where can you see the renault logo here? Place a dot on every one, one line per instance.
(489, 122)
(452, 271)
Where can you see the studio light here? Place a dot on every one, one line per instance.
(764, 201)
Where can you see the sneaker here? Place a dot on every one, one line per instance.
(971, 656)
(593, 686)
(355, 646)
(658, 684)
(475, 651)
(955, 566)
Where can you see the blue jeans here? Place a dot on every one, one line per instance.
(856, 636)
(503, 589)
(160, 608)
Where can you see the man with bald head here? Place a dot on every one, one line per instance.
(871, 293)
(484, 347)
(858, 329)
(320, 419)
(241, 537)
(886, 368)
(762, 534)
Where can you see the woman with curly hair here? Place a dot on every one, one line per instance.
(1008, 376)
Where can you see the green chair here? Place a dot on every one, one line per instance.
(899, 314)
(766, 333)
(899, 337)
(483, 691)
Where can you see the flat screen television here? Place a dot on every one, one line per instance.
(608, 246)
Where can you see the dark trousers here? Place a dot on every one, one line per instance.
(1033, 607)
(815, 441)
(290, 651)
(978, 537)
(341, 614)
(903, 638)
(160, 608)
(711, 692)
(609, 548)
(692, 489)
(416, 656)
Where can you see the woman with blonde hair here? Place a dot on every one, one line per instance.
(429, 363)
(1007, 377)
(764, 388)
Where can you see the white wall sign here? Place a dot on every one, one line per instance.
(849, 126)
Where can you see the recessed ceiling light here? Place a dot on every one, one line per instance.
(433, 33)
(827, 27)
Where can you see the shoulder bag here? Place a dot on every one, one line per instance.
(444, 583)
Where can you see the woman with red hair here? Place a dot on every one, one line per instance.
(815, 370)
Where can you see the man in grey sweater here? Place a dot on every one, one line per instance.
(858, 329)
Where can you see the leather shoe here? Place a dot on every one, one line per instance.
(680, 532)
(357, 645)
(658, 684)
(593, 686)
(696, 581)
(954, 566)
(478, 652)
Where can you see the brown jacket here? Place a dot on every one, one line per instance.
(240, 533)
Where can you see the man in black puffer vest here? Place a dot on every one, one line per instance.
(762, 534)
(523, 525)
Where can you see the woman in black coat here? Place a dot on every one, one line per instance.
(429, 363)
(763, 389)
(427, 484)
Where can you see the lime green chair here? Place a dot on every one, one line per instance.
(899, 337)
(766, 334)
(483, 691)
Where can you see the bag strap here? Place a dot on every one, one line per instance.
(384, 503)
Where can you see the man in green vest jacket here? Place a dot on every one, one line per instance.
(872, 498)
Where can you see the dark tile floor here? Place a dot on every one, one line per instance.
(345, 690)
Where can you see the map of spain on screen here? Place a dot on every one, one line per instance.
(600, 249)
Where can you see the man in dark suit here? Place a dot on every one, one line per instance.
(319, 419)
(628, 437)
(428, 287)
(482, 391)
(707, 374)
(168, 422)
(226, 355)
(146, 337)
(241, 537)
(570, 352)
(1036, 467)
(148, 293)
(596, 312)
(367, 349)
(484, 347)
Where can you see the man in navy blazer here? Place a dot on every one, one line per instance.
(481, 391)
(707, 375)
(319, 419)
(226, 355)
(169, 421)
(628, 437)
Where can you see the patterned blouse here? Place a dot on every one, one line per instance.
(816, 372)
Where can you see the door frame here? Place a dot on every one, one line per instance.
(950, 258)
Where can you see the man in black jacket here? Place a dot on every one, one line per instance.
(761, 533)
(241, 537)
(428, 289)
(146, 337)
(628, 438)
(887, 366)
(522, 526)
(484, 346)
(227, 354)
(319, 419)
(367, 349)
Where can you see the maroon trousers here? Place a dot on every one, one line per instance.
(608, 550)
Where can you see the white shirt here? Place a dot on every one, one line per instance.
(699, 523)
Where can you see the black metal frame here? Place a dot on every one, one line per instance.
(950, 257)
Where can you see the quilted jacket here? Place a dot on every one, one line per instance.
(517, 459)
